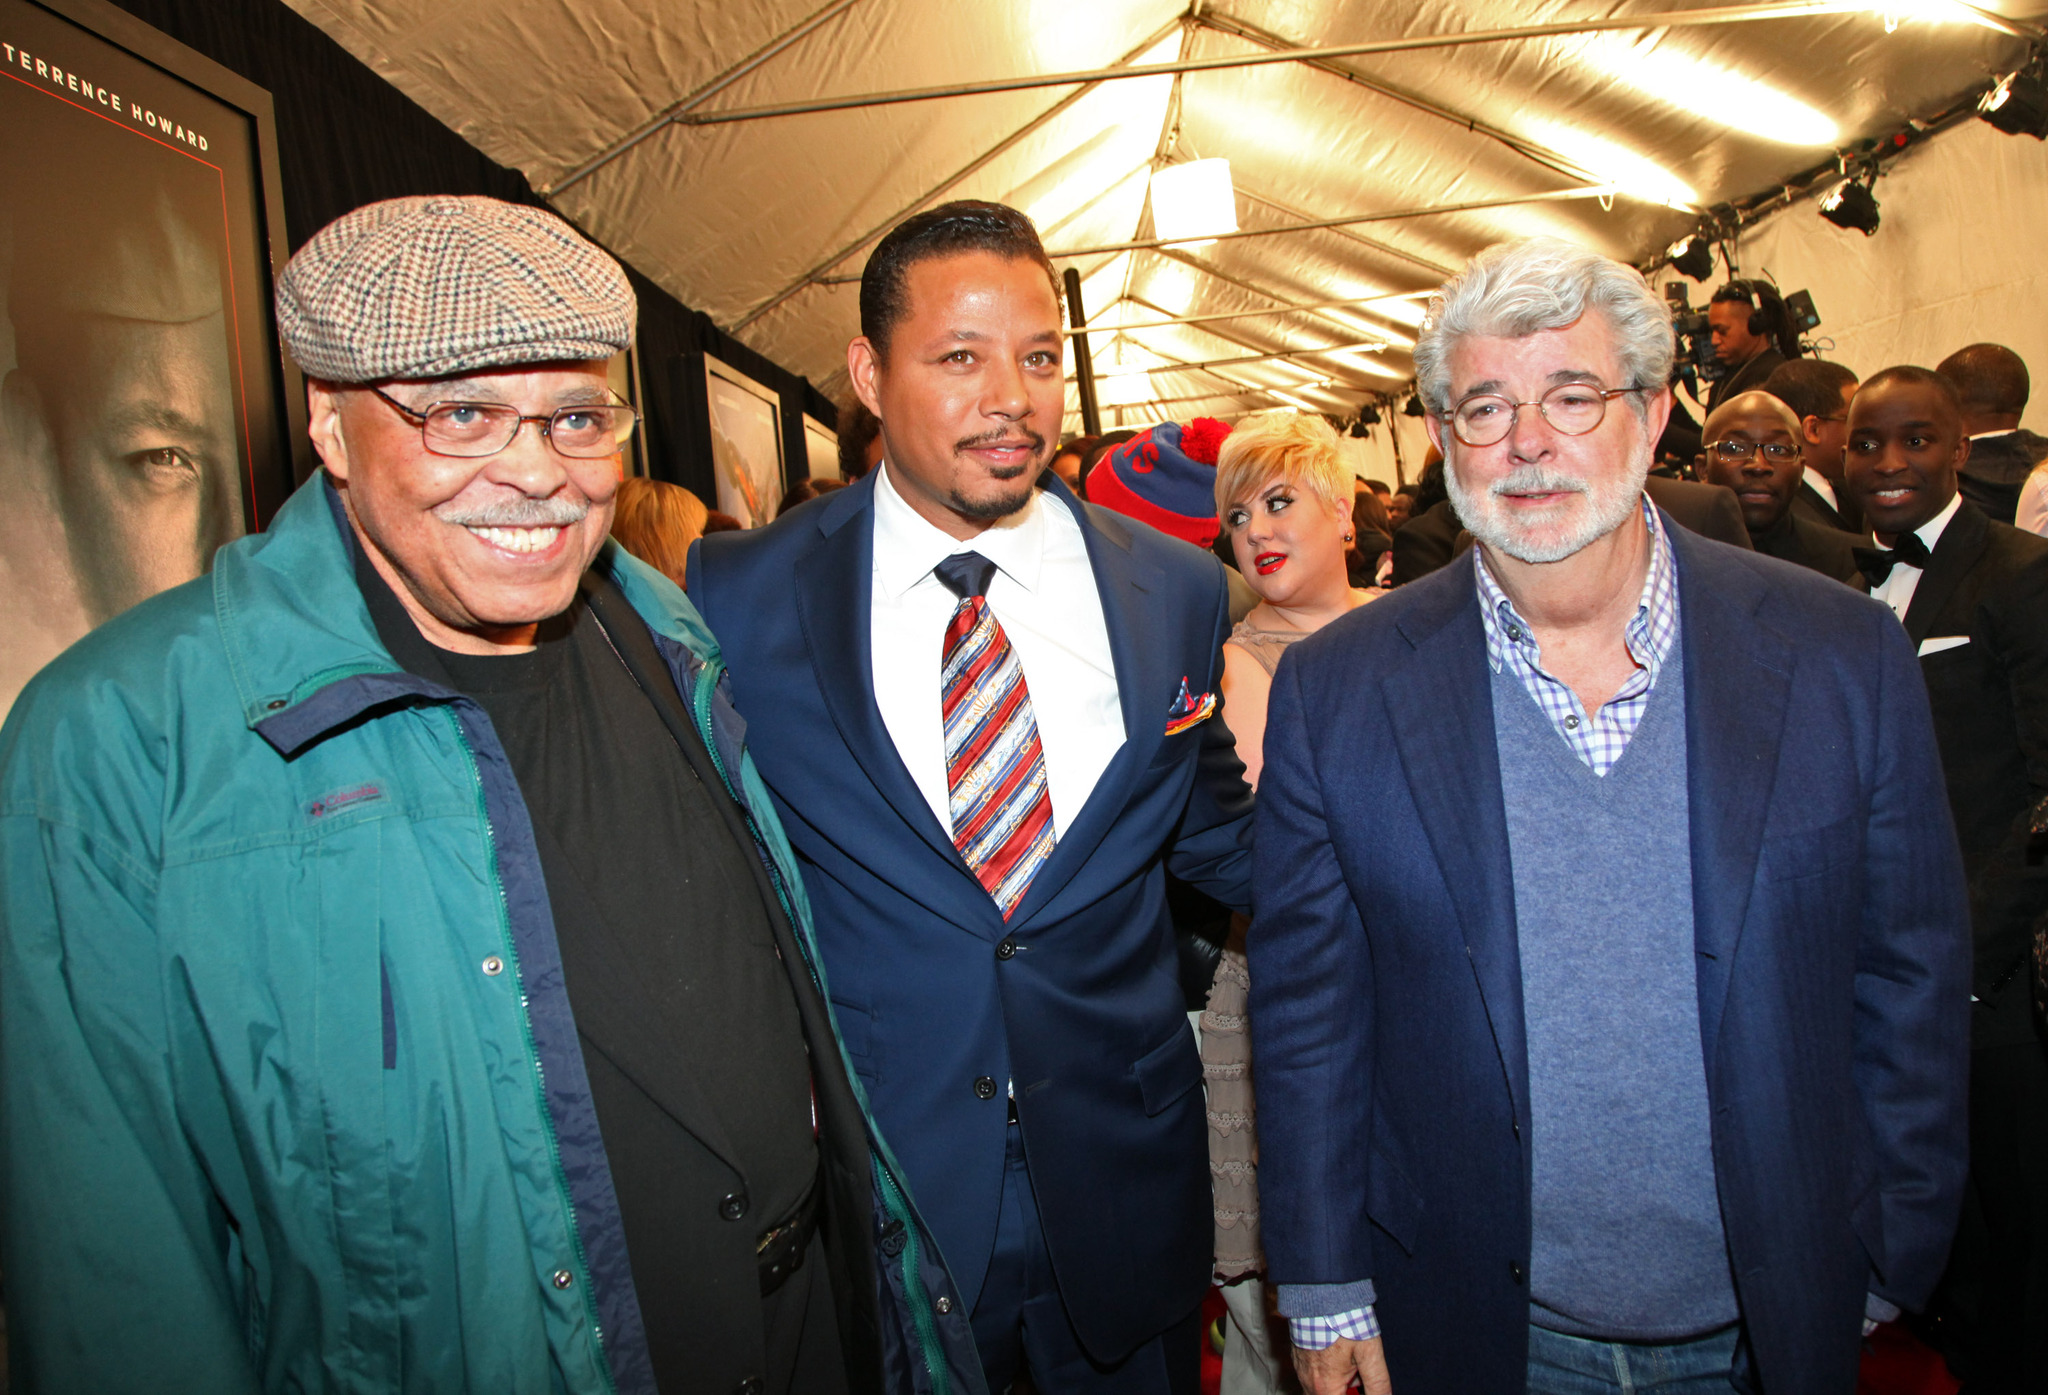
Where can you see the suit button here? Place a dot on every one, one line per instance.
(984, 1087)
(944, 1305)
(1515, 1271)
(733, 1205)
(1007, 949)
(563, 1278)
(752, 1385)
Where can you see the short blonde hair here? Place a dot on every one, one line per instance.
(656, 522)
(1298, 447)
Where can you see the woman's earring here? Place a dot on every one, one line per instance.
(1347, 537)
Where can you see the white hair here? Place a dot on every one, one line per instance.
(1515, 289)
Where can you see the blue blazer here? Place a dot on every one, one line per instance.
(1833, 959)
(1076, 1000)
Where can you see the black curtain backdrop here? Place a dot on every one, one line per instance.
(346, 138)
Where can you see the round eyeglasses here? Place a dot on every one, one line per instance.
(468, 430)
(1777, 452)
(1570, 408)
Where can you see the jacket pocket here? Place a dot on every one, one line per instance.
(1391, 1200)
(1168, 1071)
(1866, 1218)
(856, 1025)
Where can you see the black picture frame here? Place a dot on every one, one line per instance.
(271, 389)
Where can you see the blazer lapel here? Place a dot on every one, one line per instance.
(834, 606)
(1129, 591)
(1737, 685)
(1440, 704)
(1957, 550)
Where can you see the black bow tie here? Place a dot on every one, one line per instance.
(1876, 563)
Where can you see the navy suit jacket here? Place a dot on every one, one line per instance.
(1076, 1000)
(1832, 938)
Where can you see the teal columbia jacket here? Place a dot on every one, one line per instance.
(244, 860)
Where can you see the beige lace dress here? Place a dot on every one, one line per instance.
(1227, 1057)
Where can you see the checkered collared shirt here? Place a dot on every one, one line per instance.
(1600, 739)
(1315, 1333)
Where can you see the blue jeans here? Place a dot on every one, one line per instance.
(1561, 1365)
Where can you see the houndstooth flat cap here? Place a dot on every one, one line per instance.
(425, 287)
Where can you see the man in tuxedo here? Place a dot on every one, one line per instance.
(1740, 319)
(1973, 596)
(1991, 381)
(1818, 393)
(1626, 1042)
(982, 709)
(1752, 447)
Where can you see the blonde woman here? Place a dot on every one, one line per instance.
(657, 522)
(1285, 496)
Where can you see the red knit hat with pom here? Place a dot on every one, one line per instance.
(1165, 477)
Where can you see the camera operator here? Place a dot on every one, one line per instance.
(1748, 324)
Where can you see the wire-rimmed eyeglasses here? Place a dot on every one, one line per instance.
(1570, 408)
(1777, 452)
(469, 430)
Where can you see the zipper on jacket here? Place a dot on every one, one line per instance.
(893, 1199)
(547, 1120)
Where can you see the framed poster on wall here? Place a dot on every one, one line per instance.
(746, 443)
(146, 412)
(821, 446)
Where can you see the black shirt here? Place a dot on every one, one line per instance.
(655, 906)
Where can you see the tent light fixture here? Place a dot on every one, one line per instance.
(1693, 256)
(1368, 415)
(2018, 106)
(1414, 408)
(1192, 203)
(1851, 205)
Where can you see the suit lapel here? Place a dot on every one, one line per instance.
(1440, 704)
(834, 605)
(1142, 652)
(1737, 686)
(1956, 552)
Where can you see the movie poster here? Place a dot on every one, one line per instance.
(141, 421)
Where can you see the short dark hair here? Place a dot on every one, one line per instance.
(858, 428)
(965, 225)
(1988, 378)
(1918, 377)
(1811, 387)
(1377, 486)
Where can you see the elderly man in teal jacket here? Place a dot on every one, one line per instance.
(405, 984)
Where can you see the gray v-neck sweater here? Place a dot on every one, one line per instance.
(1627, 1227)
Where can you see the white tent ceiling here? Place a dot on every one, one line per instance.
(765, 222)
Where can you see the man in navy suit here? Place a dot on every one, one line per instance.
(1610, 966)
(983, 709)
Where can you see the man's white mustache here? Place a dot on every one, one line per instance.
(1533, 479)
(516, 513)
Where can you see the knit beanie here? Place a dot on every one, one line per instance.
(1166, 477)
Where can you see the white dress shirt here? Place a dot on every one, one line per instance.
(2032, 513)
(1821, 485)
(1045, 598)
(1897, 589)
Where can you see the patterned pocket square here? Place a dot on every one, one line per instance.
(1188, 710)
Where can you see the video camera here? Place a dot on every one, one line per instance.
(1694, 363)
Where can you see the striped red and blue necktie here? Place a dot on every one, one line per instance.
(995, 767)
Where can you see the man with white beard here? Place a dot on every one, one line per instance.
(1610, 952)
